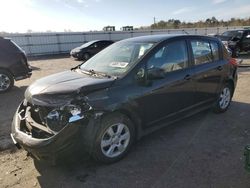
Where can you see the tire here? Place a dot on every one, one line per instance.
(6, 81)
(224, 99)
(86, 56)
(114, 138)
(236, 52)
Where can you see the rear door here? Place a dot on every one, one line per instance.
(209, 69)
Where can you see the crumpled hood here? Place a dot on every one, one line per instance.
(67, 82)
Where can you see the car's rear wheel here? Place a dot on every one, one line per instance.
(224, 99)
(114, 138)
(6, 81)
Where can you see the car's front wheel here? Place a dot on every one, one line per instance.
(6, 81)
(224, 99)
(114, 138)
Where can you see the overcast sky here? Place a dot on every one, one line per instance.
(84, 15)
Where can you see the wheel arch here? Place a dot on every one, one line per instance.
(8, 70)
(231, 83)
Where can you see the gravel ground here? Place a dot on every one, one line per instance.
(205, 150)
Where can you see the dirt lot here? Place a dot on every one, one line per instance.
(205, 150)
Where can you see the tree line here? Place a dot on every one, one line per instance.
(209, 22)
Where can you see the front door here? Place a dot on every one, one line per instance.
(170, 87)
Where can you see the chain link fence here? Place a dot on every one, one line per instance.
(35, 44)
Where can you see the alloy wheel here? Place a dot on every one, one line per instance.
(225, 97)
(115, 140)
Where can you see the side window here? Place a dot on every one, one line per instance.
(247, 37)
(171, 57)
(202, 52)
(215, 50)
(226, 54)
(103, 44)
(95, 45)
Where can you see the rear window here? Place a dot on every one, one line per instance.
(215, 50)
(202, 52)
(237, 34)
(205, 51)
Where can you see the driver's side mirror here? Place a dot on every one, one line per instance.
(155, 73)
(140, 75)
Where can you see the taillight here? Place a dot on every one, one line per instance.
(233, 62)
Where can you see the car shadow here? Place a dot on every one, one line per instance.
(204, 147)
(8, 105)
(47, 57)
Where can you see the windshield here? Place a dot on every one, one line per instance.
(231, 34)
(87, 44)
(117, 58)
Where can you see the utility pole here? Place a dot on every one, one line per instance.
(154, 20)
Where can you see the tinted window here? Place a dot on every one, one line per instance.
(226, 54)
(202, 52)
(215, 50)
(105, 43)
(87, 44)
(237, 34)
(95, 45)
(170, 57)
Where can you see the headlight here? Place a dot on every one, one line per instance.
(58, 118)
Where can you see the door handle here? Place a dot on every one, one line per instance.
(187, 77)
(219, 68)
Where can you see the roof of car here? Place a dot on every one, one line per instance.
(159, 38)
(101, 40)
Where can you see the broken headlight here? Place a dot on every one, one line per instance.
(58, 118)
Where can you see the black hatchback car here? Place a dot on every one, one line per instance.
(87, 50)
(236, 40)
(129, 89)
(13, 64)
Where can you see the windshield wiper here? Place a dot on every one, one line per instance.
(95, 73)
(76, 67)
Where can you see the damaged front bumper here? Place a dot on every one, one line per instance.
(39, 140)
